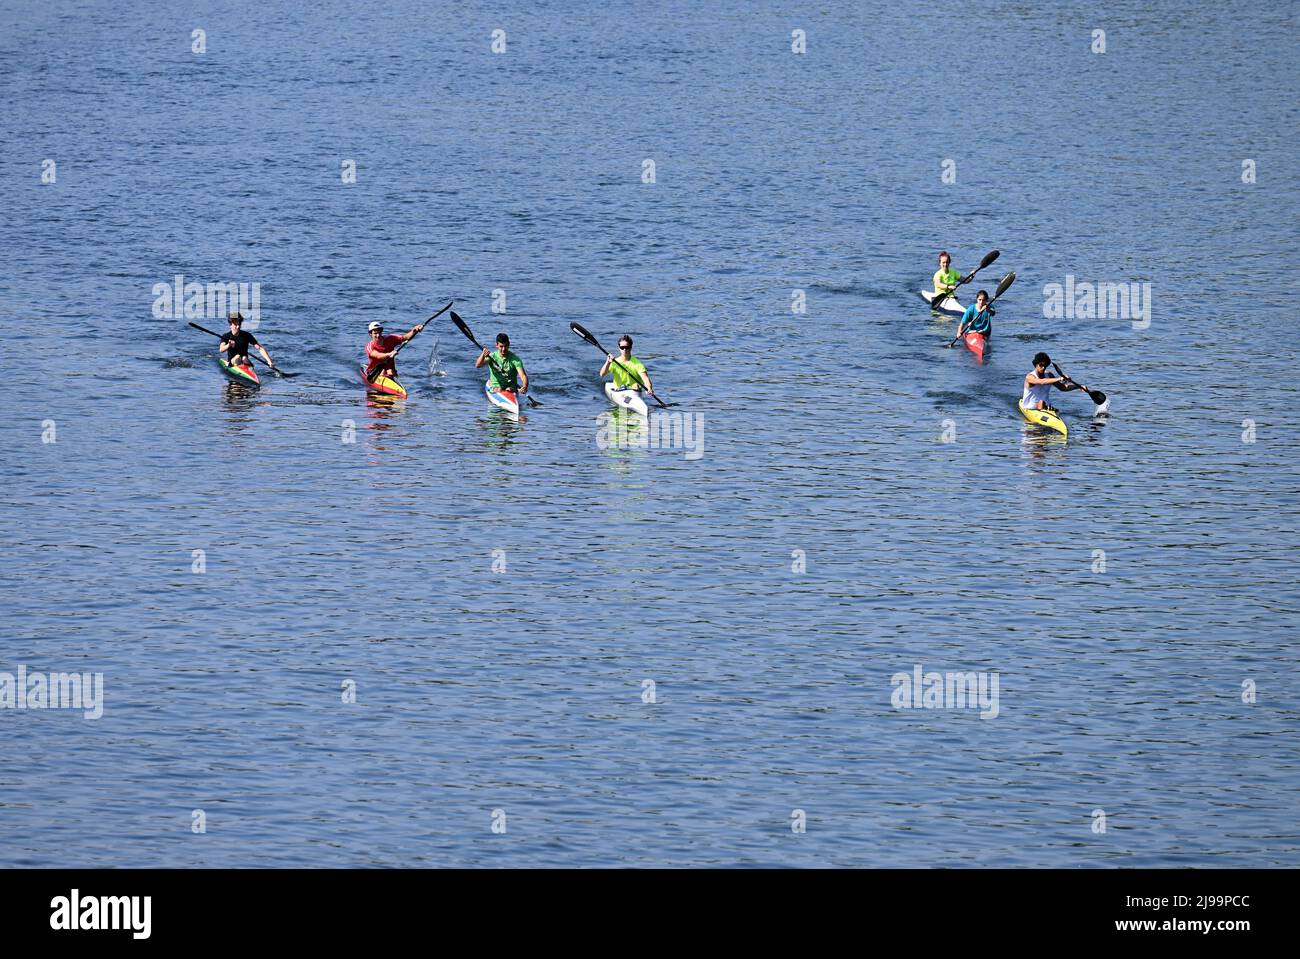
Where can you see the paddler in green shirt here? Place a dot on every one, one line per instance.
(505, 370)
(625, 362)
(945, 280)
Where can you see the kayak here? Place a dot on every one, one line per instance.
(948, 305)
(976, 343)
(240, 374)
(1045, 417)
(628, 399)
(506, 399)
(383, 384)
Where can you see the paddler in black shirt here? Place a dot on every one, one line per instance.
(235, 344)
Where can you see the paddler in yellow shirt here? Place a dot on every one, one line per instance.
(945, 279)
(621, 364)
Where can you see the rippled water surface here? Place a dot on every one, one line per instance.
(501, 590)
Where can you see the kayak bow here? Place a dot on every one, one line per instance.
(628, 399)
(382, 384)
(1045, 417)
(976, 343)
(948, 305)
(240, 374)
(506, 399)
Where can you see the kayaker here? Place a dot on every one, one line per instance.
(626, 361)
(978, 318)
(505, 369)
(945, 280)
(380, 349)
(235, 344)
(1038, 385)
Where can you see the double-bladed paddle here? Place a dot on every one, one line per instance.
(993, 255)
(1097, 396)
(582, 332)
(469, 335)
(370, 377)
(1002, 288)
(274, 369)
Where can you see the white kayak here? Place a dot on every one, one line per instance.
(949, 306)
(628, 399)
(505, 399)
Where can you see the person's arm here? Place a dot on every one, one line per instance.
(252, 341)
(604, 367)
(523, 379)
(645, 378)
(409, 334)
(1033, 379)
(970, 310)
(224, 344)
(482, 358)
(938, 287)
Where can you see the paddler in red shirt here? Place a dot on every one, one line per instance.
(380, 349)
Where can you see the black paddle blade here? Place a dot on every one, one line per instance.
(460, 325)
(582, 332)
(988, 259)
(1006, 282)
(1097, 396)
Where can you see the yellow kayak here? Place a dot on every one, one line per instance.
(383, 383)
(1045, 417)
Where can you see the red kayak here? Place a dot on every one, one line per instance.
(976, 343)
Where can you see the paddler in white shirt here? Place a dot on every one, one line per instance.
(1038, 385)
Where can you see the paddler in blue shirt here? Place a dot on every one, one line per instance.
(977, 318)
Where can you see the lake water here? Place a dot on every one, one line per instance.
(859, 501)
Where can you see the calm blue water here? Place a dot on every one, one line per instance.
(521, 690)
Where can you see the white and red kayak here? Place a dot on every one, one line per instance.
(628, 399)
(506, 399)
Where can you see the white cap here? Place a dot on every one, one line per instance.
(374, 326)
